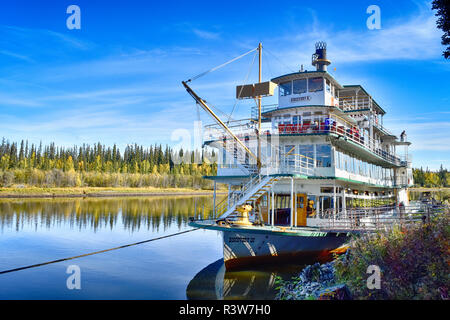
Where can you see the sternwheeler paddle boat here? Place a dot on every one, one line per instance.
(304, 174)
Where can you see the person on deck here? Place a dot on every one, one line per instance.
(403, 136)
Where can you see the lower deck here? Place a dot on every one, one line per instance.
(296, 202)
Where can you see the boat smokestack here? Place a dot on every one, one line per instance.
(319, 58)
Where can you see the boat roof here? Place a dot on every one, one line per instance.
(304, 75)
(359, 87)
(325, 74)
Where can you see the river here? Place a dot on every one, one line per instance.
(186, 266)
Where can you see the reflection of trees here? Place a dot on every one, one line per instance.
(96, 213)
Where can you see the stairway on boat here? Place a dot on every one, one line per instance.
(250, 192)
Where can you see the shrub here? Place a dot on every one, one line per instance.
(414, 262)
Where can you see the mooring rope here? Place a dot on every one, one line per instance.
(96, 252)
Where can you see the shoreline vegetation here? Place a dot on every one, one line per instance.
(28, 170)
(35, 170)
(414, 264)
(86, 192)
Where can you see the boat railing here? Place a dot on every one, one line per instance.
(376, 218)
(352, 103)
(236, 195)
(406, 160)
(329, 125)
(264, 108)
(291, 164)
(348, 132)
(382, 128)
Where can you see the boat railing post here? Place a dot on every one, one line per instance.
(273, 208)
(292, 202)
(334, 202)
(214, 201)
(295, 205)
(229, 196)
(344, 206)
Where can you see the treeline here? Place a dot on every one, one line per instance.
(430, 179)
(101, 166)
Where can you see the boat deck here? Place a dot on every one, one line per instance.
(268, 229)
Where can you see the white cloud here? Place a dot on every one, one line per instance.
(431, 135)
(15, 55)
(208, 35)
(413, 38)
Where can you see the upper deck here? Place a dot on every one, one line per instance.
(315, 109)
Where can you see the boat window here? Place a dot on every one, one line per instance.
(323, 155)
(287, 119)
(299, 86)
(289, 149)
(326, 190)
(315, 84)
(312, 204)
(297, 119)
(290, 154)
(327, 204)
(224, 157)
(264, 201)
(286, 88)
(328, 86)
(306, 151)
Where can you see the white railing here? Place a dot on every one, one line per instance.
(247, 190)
(376, 218)
(237, 195)
(353, 103)
(293, 164)
(336, 126)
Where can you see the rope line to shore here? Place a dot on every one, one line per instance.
(96, 252)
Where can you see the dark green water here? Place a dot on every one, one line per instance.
(185, 266)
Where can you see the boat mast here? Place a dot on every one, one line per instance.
(259, 109)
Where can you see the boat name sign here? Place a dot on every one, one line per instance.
(305, 98)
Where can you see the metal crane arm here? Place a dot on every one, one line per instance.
(220, 122)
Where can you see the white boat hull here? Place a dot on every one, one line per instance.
(246, 247)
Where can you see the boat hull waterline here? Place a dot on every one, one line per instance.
(244, 246)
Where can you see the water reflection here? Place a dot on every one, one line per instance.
(97, 213)
(214, 282)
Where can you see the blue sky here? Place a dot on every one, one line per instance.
(117, 80)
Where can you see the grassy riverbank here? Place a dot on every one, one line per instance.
(29, 192)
